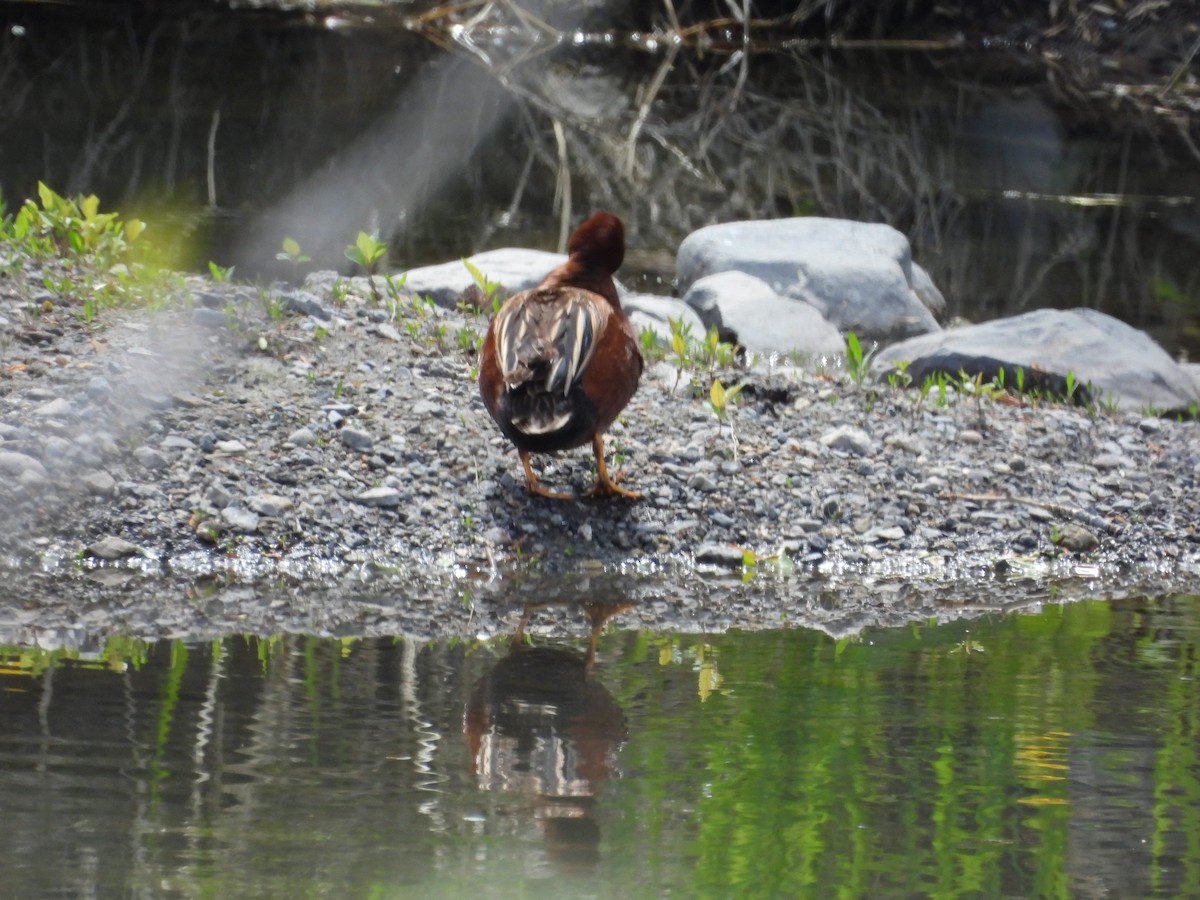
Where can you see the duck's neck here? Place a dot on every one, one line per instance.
(574, 273)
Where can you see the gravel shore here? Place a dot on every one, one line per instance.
(319, 460)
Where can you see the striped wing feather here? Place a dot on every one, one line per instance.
(550, 334)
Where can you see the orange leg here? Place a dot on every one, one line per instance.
(599, 614)
(605, 486)
(531, 481)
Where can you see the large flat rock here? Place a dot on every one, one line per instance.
(1115, 359)
(514, 268)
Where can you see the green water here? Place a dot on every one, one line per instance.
(1035, 755)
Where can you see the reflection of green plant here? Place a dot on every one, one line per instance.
(1167, 292)
(117, 655)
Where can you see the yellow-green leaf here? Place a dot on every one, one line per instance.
(476, 274)
(291, 247)
(133, 228)
(717, 395)
(89, 206)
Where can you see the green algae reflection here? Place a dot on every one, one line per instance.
(1051, 755)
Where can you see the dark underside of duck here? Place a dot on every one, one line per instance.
(516, 404)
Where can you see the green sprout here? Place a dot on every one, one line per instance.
(366, 251)
(858, 365)
(719, 399)
(291, 252)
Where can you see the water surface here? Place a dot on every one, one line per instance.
(1023, 755)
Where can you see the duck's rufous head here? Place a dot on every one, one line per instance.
(599, 242)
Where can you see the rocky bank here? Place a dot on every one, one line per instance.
(249, 460)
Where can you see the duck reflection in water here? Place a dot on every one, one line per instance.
(538, 725)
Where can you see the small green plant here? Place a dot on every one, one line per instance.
(366, 251)
(290, 252)
(394, 286)
(680, 332)
(652, 348)
(468, 340)
(93, 251)
(858, 364)
(899, 378)
(273, 304)
(719, 399)
(422, 307)
(220, 274)
(489, 289)
(713, 353)
(76, 226)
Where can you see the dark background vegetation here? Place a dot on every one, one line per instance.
(973, 128)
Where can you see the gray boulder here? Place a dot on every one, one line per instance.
(858, 275)
(513, 268)
(1109, 357)
(1193, 372)
(747, 310)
